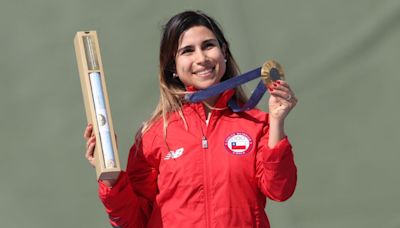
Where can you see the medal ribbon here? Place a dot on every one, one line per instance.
(231, 83)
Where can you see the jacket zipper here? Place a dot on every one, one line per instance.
(204, 142)
(204, 145)
(206, 188)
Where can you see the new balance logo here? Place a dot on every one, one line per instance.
(174, 154)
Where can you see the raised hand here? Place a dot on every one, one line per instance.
(281, 101)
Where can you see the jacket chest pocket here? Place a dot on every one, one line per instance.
(180, 167)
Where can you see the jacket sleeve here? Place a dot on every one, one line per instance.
(129, 202)
(276, 171)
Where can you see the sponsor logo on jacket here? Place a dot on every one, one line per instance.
(174, 154)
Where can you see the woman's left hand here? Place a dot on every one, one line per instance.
(281, 101)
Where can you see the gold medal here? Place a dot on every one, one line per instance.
(271, 71)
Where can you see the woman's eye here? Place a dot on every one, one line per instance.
(186, 51)
(209, 45)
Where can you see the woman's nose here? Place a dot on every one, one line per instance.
(201, 56)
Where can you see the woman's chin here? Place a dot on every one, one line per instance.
(205, 84)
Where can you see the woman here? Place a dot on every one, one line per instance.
(200, 164)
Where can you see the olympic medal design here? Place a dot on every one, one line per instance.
(102, 119)
(271, 71)
(238, 143)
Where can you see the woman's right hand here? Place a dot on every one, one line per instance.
(89, 154)
(90, 144)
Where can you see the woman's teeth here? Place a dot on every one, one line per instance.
(204, 72)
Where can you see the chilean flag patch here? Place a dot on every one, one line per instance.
(238, 143)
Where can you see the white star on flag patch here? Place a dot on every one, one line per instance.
(238, 143)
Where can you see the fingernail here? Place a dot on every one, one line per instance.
(270, 89)
(275, 84)
(278, 82)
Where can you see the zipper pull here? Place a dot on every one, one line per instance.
(204, 142)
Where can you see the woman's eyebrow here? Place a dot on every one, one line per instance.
(212, 39)
(190, 45)
(183, 48)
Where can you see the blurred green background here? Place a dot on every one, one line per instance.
(341, 58)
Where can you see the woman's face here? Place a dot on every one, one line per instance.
(199, 59)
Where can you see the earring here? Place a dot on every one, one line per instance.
(225, 60)
(174, 75)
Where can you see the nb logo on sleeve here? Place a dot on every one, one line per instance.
(174, 154)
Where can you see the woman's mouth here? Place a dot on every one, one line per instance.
(205, 72)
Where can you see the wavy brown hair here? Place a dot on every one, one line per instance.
(171, 88)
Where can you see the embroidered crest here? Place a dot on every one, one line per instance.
(238, 143)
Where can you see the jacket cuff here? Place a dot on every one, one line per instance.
(113, 196)
(281, 151)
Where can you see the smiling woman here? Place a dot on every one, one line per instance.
(201, 164)
(199, 59)
(171, 48)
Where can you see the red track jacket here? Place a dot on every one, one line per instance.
(207, 175)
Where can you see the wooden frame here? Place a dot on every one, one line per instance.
(97, 105)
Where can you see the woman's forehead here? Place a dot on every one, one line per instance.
(195, 34)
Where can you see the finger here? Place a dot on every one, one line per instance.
(279, 93)
(90, 141)
(277, 86)
(284, 86)
(283, 83)
(295, 100)
(88, 131)
(292, 100)
(89, 154)
(284, 95)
